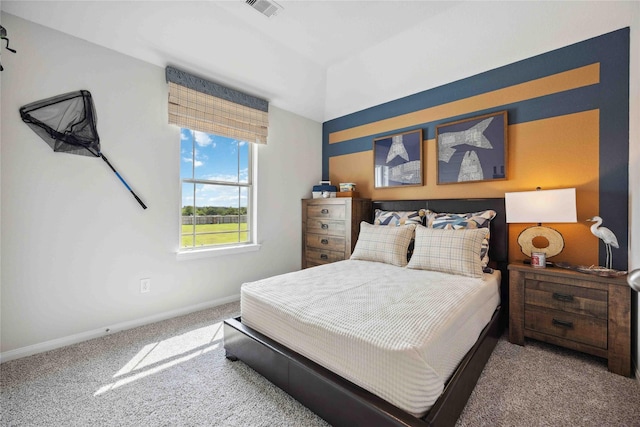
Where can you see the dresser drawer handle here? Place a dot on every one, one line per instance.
(562, 297)
(562, 323)
(324, 226)
(324, 241)
(324, 211)
(324, 256)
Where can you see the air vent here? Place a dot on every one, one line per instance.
(268, 8)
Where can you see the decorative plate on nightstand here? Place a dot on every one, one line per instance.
(595, 270)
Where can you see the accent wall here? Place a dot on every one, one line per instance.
(568, 126)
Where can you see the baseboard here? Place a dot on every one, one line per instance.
(106, 330)
(637, 366)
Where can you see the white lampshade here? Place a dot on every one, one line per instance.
(541, 206)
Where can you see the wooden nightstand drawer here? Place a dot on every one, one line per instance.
(319, 256)
(326, 211)
(320, 241)
(582, 329)
(571, 299)
(326, 227)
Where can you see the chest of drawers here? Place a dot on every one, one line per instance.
(330, 228)
(583, 312)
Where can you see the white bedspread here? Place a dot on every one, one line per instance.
(397, 332)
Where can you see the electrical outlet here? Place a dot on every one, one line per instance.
(145, 285)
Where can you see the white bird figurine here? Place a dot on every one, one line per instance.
(606, 236)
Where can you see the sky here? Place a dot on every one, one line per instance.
(216, 158)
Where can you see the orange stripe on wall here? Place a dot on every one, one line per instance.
(567, 80)
(559, 152)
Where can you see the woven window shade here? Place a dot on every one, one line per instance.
(205, 106)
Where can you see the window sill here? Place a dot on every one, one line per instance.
(216, 252)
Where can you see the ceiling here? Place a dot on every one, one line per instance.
(280, 58)
(330, 31)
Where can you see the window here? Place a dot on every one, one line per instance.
(220, 127)
(216, 179)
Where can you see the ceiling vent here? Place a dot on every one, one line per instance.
(268, 8)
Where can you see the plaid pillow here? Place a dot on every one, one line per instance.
(383, 244)
(462, 221)
(448, 251)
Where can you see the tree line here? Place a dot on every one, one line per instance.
(213, 210)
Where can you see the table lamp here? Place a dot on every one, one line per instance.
(548, 206)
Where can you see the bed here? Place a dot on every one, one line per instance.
(310, 375)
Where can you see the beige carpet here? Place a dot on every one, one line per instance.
(174, 373)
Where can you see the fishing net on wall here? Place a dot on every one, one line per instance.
(68, 124)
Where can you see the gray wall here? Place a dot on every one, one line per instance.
(75, 244)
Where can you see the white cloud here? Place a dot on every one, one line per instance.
(222, 178)
(203, 139)
(244, 175)
(190, 160)
(210, 195)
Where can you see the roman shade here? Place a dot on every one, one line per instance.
(198, 104)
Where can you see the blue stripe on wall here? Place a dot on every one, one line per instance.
(614, 141)
(568, 102)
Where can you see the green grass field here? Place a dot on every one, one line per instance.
(214, 234)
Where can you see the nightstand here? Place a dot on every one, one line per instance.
(583, 312)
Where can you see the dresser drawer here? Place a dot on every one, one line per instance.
(320, 241)
(326, 227)
(326, 211)
(582, 329)
(320, 256)
(570, 299)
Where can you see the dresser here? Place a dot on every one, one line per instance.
(330, 228)
(583, 312)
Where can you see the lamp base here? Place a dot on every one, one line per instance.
(525, 240)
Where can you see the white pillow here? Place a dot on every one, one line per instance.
(448, 251)
(383, 244)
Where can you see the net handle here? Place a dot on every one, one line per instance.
(122, 180)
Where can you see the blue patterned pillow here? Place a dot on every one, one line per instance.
(463, 221)
(399, 217)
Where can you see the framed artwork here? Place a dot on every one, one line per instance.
(397, 160)
(472, 150)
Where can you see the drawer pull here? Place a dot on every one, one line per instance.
(324, 256)
(562, 323)
(324, 241)
(562, 297)
(324, 226)
(324, 211)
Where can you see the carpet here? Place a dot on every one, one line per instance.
(174, 373)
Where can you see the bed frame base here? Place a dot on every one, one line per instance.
(342, 403)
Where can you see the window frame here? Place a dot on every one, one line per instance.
(194, 252)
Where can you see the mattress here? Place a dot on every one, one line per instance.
(396, 332)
